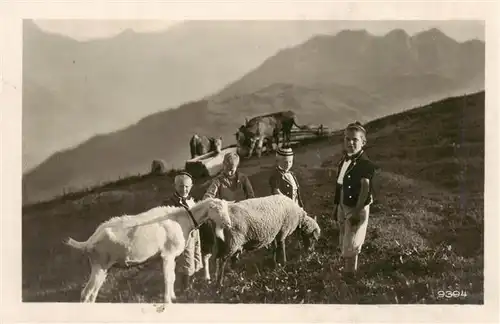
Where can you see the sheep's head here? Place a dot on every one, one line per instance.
(218, 212)
(310, 232)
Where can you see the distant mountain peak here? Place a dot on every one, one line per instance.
(351, 33)
(397, 34)
(433, 34)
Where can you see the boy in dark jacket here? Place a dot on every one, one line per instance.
(353, 196)
(282, 180)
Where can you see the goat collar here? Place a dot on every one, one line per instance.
(196, 225)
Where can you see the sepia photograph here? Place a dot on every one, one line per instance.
(296, 162)
(308, 168)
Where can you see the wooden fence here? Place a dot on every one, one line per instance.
(311, 133)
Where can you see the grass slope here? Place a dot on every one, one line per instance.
(425, 233)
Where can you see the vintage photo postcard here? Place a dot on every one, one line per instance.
(235, 162)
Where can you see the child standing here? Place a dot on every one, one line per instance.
(353, 196)
(189, 262)
(283, 180)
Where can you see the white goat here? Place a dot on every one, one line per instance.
(261, 222)
(129, 240)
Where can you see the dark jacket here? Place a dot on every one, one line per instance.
(360, 167)
(220, 188)
(277, 180)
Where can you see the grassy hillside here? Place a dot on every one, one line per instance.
(425, 233)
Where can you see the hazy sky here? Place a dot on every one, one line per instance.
(89, 29)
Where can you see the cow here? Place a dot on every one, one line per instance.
(201, 145)
(269, 126)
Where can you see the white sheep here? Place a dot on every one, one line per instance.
(260, 222)
(129, 240)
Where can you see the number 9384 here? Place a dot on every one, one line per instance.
(451, 293)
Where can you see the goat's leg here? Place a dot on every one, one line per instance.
(220, 275)
(171, 286)
(217, 269)
(86, 295)
(99, 281)
(206, 265)
(169, 277)
(89, 283)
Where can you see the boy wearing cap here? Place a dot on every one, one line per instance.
(189, 262)
(353, 196)
(283, 180)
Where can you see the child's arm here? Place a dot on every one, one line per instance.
(212, 190)
(366, 177)
(301, 203)
(247, 188)
(363, 195)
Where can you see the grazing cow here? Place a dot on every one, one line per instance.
(202, 145)
(269, 126)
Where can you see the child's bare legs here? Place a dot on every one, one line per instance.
(353, 237)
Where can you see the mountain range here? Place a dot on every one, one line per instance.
(329, 79)
(73, 90)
